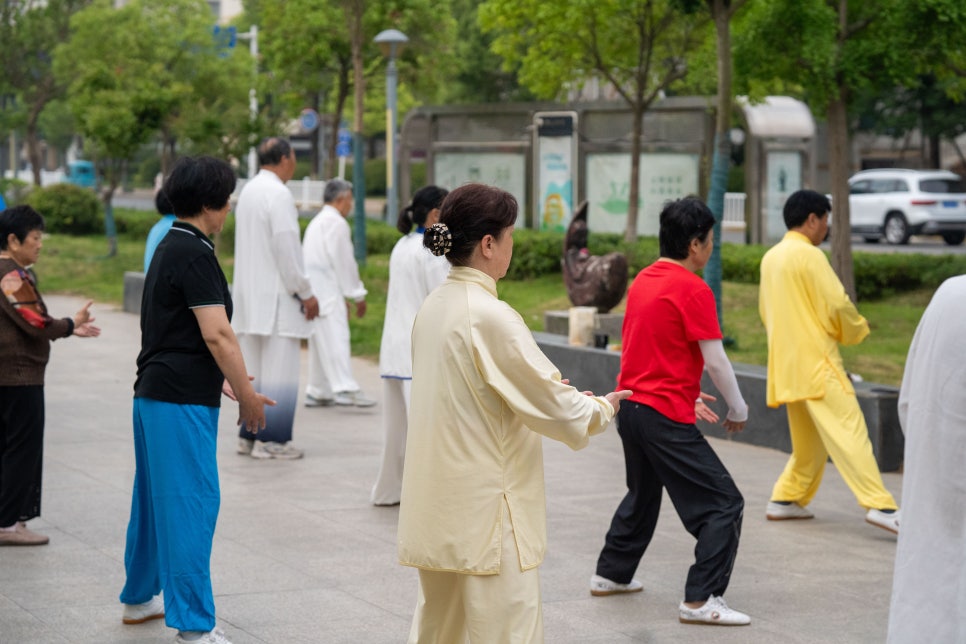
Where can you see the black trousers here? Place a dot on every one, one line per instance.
(21, 452)
(662, 454)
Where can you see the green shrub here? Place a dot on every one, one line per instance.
(877, 275)
(134, 224)
(14, 191)
(68, 209)
(380, 237)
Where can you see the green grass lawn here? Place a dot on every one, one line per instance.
(79, 266)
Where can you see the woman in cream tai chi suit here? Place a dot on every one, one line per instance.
(413, 273)
(473, 512)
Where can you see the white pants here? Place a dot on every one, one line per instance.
(395, 422)
(453, 608)
(330, 365)
(274, 362)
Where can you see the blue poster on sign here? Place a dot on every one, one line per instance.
(344, 147)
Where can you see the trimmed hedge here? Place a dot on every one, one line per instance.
(877, 275)
(536, 253)
(68, 209)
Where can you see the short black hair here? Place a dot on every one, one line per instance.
(20, 221)
(801, 204)
(162, 204)
(682, 221)
(272, 150)
(197, 183)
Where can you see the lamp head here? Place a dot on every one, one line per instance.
(390, 42)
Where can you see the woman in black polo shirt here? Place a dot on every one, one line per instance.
(189, 356)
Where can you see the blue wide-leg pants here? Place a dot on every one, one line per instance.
(173, 511)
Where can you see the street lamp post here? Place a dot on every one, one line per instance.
(252, 37)
(391, 42)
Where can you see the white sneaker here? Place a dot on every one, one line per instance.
(786, 511)
(216, 636)
(350, 398)
(715, 612)
(140, 613)
(280, 451)
(245, 446)
(885, 520)
(601, 587)
(312, 401)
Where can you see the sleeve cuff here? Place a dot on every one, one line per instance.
(70, 327)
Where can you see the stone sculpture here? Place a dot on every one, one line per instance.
(592, 280)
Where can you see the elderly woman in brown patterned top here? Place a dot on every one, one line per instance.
(26, 331)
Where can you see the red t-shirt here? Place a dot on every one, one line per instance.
(669, 309)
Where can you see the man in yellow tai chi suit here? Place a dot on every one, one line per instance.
(807, 314)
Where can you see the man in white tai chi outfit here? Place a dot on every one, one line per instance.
(930, 570)
(273, 297)
(332, 269)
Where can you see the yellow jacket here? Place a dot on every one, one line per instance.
(482, 395)
(806, 314)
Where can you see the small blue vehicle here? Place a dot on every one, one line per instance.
(81, 173)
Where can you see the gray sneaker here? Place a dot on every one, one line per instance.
(714, 612)
(216, 636)
(281, 451)
(140, 613)
(312, 401)
(602, 586)
(353, 398)
(786, 511)
(244, 446)
(885, 520)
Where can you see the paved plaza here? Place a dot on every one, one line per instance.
(301, 556)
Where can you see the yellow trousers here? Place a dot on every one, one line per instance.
(453, 608)
(831, 426)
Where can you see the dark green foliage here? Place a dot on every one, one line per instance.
(68, 209)
(380, 237)
(375, 176)
(14, 191)
(877, 275)
(134, 224)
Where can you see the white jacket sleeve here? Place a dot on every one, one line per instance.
(340, 250)
(723, 377)
(287, 252)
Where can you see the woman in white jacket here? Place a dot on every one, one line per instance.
(413, 273)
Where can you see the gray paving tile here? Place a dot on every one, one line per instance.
(300, 555)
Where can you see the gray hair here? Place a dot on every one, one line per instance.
(335, 188)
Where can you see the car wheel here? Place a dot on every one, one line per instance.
(896, 229)
(954, 238)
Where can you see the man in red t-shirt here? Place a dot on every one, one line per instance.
(670, 334)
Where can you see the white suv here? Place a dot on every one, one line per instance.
(895, 204)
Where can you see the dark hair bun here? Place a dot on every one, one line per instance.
(438, 239)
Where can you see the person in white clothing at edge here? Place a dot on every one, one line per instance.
(413, 272)
(272, 296)
(930, 568)
(329, 260)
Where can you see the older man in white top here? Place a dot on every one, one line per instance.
(334, 274)
(274, 300)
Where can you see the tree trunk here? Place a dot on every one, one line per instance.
(838, 165)
(634, 189)
(722, 150)
(110, 228)
(33, 146)
(342, 96)
(354, 12)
